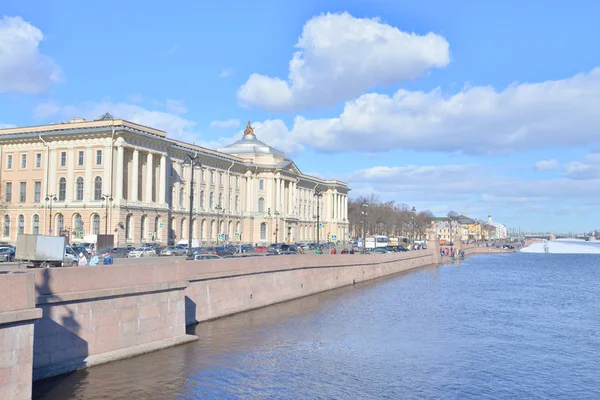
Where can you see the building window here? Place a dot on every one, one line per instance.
(60, 223)
(38, 160)
(79, 189)
(213, 232)
(261, 205)
(202, 199)
(6, 227)
(237, 230)
(9, 161)
(202, 177)
(212, 176)
(220, 203)
(62, 189)
(142, 229)
(8, 192)
(220, 179)
(237, 203)
(128, 227)
(237, 182)
(36, 225)
(181, 194)
(80, 158)
(95, 224)
(263, 231)
(23, 160)
(211, 201)
(78, 223)
(21, 224)
(98, 188)
(98, 157)
(156, 225)
(172, 170)
(63, 158)
(37, 191)
(181, 228)
(203, 229)
(22, 192)
(261, 184)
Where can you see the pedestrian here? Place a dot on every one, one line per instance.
(108, 259)
(82, 260)
(94, 259)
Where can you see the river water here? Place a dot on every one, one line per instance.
(504, 326)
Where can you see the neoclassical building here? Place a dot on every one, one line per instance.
(111, 176)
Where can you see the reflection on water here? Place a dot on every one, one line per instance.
(495, 326)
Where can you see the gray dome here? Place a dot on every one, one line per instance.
(249, 144)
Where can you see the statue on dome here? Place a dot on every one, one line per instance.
(249, 129)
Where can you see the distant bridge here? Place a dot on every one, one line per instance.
(547, 236)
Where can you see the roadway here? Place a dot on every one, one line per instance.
(14, 266)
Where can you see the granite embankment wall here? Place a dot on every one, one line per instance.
(57, 320)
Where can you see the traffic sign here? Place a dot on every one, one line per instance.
(333, 238)
(81, 234)
(236, 235)
(320, 225)
(161, 225)
(221, 236)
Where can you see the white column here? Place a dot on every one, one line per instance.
(339, 206)
(270, 195)
(149, 177)
(248, 199)
(197, 191)
(88, 179)
(281, 196)
(106, 160)
(276, 197)
(162, 183)
(70, 175)
(119, 175)
(133, 184)
(52, 187)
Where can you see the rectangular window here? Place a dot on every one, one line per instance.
(38, 160)
(220, 178)
(37, 191)
(80, 158)
(9, 161)
(8, 192)
(98, 157)
(22, 192)
(63, 158)
(172, 171)
(212, 177)
(23, 160)
(261, 184)
(237, 182)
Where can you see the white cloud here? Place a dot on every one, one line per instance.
(226, 73)
(176, 106)
(22, 67)
(477, 120)
(228, 123)
(175, 125)
(339, 57)
(5, 126)
(546, 165)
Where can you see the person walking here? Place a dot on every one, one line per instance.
(82, 260)
(108, 259)
(94, 259)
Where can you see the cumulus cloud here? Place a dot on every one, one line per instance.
(339, 56)
(476, 120)
(22, 67)
(546, 165)
(228, 123)
(176, 106)
(5, 126)
(175, 125)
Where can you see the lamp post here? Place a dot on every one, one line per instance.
(412, 240)
(219, 208)
(276, 224)
(364, 205)
(318, 194)
(50, 198)
(193, 162)
(107, 198)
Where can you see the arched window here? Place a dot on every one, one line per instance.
(77, 223)
(237, 203)
(35, 226)
(203, 229)
(182, 228)
(211, 201)
(202, 199)
(98, 188)
(128, 227)
(229, 228)
(143, 229)
(6, 226)
(60, 223)
(181, 194)
(263, 231)
(261, 205)
(79, 189)
(21, 224)
(221, 227)
(237, 229)
(62, 189)
(194, 236)
(95, 224)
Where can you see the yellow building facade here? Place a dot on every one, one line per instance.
(111, 176)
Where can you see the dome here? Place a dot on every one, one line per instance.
(249, 144)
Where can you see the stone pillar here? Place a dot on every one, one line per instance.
(119, 175)
(70, 175)
(162, 183)
(149, 177)
(276, 197)
(107, 169)
(88, 179)
(281, 196)
(133, 184)
(52, 186)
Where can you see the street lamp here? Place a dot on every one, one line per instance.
(412, 240)
(276, 213)
(219, 208)
(364, 213)
(193, 162)
(50, 198)
(318, 194)
(107, 198)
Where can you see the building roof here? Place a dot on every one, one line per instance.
(249, 144)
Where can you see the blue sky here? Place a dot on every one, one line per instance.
(477, 107)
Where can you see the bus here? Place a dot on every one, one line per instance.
(377, 241)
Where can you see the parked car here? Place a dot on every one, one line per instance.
(173, 251)
(7, 254)
(223, 251)
(207, 257)
(141, 252)
(379, 250)
(261, 249)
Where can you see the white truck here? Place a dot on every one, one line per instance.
(44, 251)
